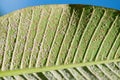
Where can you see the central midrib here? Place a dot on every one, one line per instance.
(57, 67)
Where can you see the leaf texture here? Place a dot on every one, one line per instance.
(48, 41)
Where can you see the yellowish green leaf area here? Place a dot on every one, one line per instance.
(64, 41)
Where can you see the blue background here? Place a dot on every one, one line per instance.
(7, 6)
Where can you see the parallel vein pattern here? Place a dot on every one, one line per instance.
(61, 35)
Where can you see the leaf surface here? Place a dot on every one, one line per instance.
(59, 37)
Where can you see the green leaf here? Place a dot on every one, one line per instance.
(45, 41)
